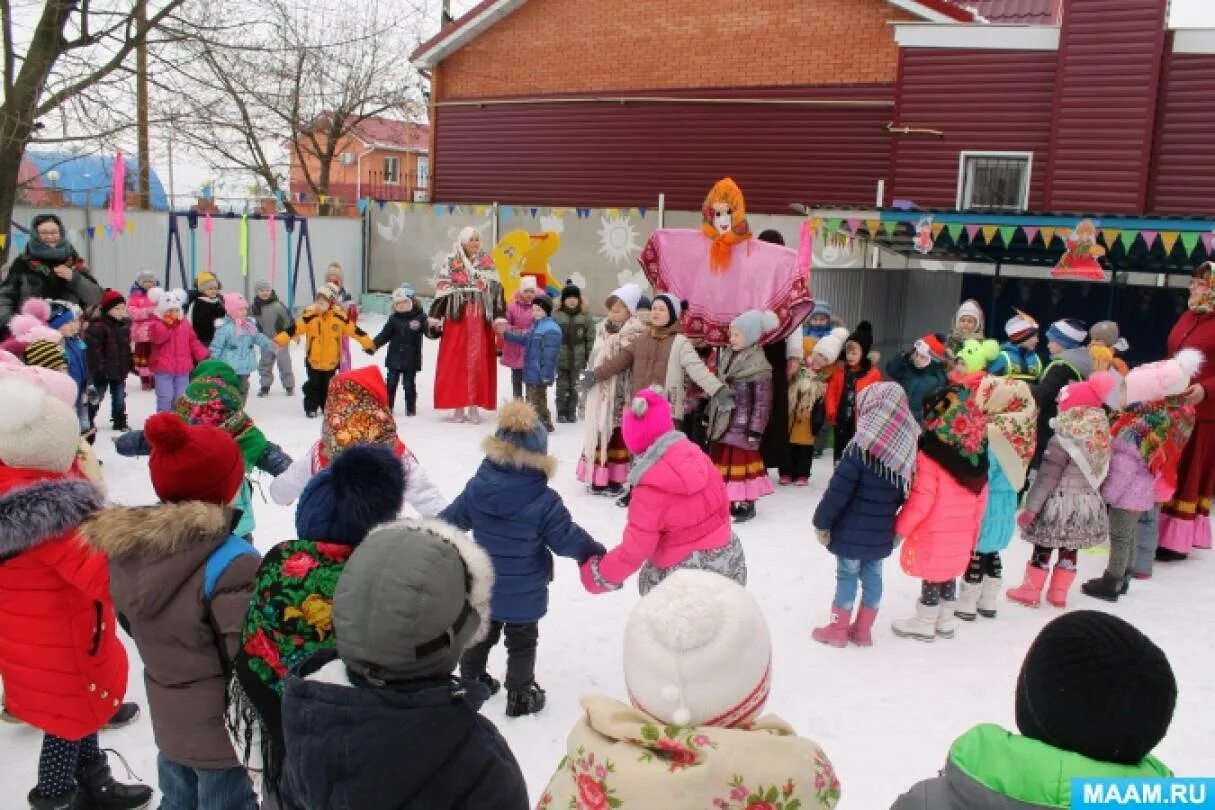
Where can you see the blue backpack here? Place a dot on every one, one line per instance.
(224, 555)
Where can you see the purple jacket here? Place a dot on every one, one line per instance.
(1129, 485)
(519, 316)
(752, 406)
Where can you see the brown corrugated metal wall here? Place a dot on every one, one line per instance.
(1184, 172)
(602, 153)
(980, 100)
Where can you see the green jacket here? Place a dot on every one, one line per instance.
(992, 769)
(577, 338)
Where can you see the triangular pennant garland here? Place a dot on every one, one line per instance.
(854, 225)
(1048, 235)
(873, 227)
(937, 227)
(891, 226)
(1007, 233)
(1208, 242)
(971, 232)
(1189, 240)
(1030, 233)
(1168, 239)
(1149, 238)
(833, 224)
(989, 233)
(1111, 236)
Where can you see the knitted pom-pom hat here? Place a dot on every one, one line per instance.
(192, 463)
(1091, 393)
(697, 652)
(754, 324)
(831, 346)
(166, 300)
(111, 299)
(1068, 333)
(1165, 378)
(37, 430)
(362, 488)
(646, 417)
(233, 302)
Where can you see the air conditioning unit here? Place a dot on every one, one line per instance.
(346, 159)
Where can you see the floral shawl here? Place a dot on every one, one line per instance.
(1085, 435)
(353, 415)
(212, 402)
(1159, 430)
(886, 433)
(467, 280)
(1206, 304)
(728, 192)
(1012, 425)
(955, 435)
(620, 757)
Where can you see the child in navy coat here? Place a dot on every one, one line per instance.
(855, 519)
(403, 332)
(541, 348)
(520, 521)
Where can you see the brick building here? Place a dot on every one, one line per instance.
(382, 158)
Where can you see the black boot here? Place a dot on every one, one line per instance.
(127, 714)
(97, 783)
(746, 511)
(524, 701)
(624, 499)
(72, 800)
(1168, 555)
(263, 392)
(491, 683)
(1103, 587)
(120, 423)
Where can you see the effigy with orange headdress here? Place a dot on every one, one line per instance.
(721, 271)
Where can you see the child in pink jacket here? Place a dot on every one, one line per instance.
(941, 520)
(142, 312)
(175, 347)
(679, 516)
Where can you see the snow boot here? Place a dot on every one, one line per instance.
(290, 392)
(989, 597)
(1168, 555)
(98, 784)
(1029, 592)
(623, 500)
(834, 632)
(861, 631)
(922, 626)
(786, 480)
(524, 701)
(746, 511)
(119, 423)
(947, 619)
(802, 482)
(548, 425)
(263, 392)
(967, 605)
(491, 683)
(1104, 587)
(72, 800)
(127, 714)
(1060, 583)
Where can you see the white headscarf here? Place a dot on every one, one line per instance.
(466, 233)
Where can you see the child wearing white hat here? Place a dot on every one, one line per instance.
(698, 667)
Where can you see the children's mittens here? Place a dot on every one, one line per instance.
(592, 580)
(586, 381)
(724, 398)
(824, 536)
(1025, 518)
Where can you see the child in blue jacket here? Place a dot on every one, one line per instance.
(237, 340)
(65, 317)
(541, 347)
(520, 521)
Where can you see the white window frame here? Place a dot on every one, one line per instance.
(423, 178)
(395, 179)
(1029, 173)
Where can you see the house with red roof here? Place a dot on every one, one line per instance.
(381, 158)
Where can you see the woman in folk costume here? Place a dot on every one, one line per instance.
(735, 431)
(1064, 509)
(1185, 521)
(357, 412)
(604, 463)
(1012, 435)
(468, 298)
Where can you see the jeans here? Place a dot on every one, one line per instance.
(265, 368)
(537, 395)
(186, 788)
(1148, 538)
(408, 380)
(168, 388)
(847, 575)
(516, 383)
(521, 643)
(118, 396)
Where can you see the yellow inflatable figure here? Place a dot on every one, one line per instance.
(520, 254)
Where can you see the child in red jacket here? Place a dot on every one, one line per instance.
(64, 670)
(857, 374)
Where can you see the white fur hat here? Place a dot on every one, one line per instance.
(166, 300)
(697, 652)
(830, 346)
(37, 430)
(630, 294)
(755, 323)
(1165, 378)
(527, 283)
(970, 307)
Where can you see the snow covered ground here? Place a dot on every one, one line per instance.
(886, 715)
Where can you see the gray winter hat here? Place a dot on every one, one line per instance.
(411, 598)
(262, 284)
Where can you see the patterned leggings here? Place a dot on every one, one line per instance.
(986, 564)
(1067, 557)
(59, 762)
(932, 593)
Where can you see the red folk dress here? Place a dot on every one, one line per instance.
(467, 303)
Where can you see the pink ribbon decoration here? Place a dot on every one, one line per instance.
(118, 214)
(805, 249)
(272, 232)
(207, 228)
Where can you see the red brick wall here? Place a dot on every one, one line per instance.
(573, 46)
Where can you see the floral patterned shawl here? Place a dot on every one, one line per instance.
(1206, 304)
(1159, 430)
(467, 279)
(955, 435)
(1012, 425)
(1085, 435)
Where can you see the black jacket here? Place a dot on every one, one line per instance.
(28, 278)
(417, 747)
(203, 315)
(403, 332)
(109, 343)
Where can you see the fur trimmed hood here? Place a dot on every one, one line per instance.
(162, 530)
(505, 454)
(41, 508)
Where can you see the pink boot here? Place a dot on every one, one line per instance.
(861, 633)
(1060, 583)
(834, 632)
(1029, 592)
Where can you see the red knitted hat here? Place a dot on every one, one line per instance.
(192, 463)
(931, 346)
(111, 299)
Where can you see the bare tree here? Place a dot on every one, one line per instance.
(74, 47)
(299, 81)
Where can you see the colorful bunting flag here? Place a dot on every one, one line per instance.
(3, 240)
(534, 212)
(1189, 241)
(1048, 235)
(1111, 237)
(891, 226)
(130, 226)
(19, 240)
(971, 232)
(1128, 238)
(873, 227)
(92, 231)
(989, 233)
(642, 212)
(118, 208)
(937, 227)
(362, 206)
(954, 229)
(1208, 242)
(507, 212)
(1030, 233)
(1168, 239)
(1149, 238)
(854, 225)
(833, 224)
(1007, 233)
(244, 245)
(380, 204)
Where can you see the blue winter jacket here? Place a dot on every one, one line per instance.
(1017, 362)
(420, 745)
(541, 346)
(520, 521)
(1000, 518)
(859, 508)
(77, 353)
(240, 352)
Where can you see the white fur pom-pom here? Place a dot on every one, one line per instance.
(639, 406)
(23, 404)
(681, 717)
(1190, 361)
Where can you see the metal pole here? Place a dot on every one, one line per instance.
(172, 190)
(494, 223)
(994, 279)
(662, 210)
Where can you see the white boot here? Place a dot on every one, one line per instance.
(989, 597)
(947, 621)
(968, 599)
(922, 626)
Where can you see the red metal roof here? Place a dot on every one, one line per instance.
(1184, 169)
(378, 131)
(1020, 12)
